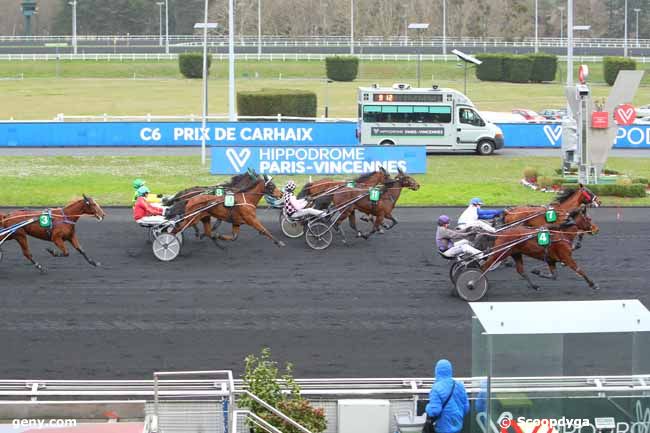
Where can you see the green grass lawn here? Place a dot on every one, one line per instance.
(90, 88)
(450, 180)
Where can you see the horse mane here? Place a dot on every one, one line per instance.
(236, 180)
(565, 195)
(303, 191)
(251, 185)
(177, 209)
(365, 176)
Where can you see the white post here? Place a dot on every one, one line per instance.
(444, 27)
(74, 26)
(204, 117)
(166, 26)
(160, 5)
(232, 113)
(625, 35)
(569, 46)
(637, 10)
(351, 26)
(259, 28)
(561, 23)
(536, 26)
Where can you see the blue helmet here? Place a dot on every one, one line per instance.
(443, 219)
(476, 201)
(143, 190)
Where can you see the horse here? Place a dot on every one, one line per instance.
(567, 201)
(328, 187)
(381, 209)
(62, 229)
(559, 250)
(243, 211)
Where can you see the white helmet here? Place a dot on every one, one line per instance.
(291, 186)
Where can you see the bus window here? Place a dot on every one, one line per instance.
(406, 114)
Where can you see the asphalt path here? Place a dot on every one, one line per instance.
(193, 151)
(375, 308)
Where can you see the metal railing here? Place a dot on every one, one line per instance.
(274, 411)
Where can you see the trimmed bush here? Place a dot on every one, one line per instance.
(530, 174)
(270, 102)
(623, 181)
(544, 67)
(491, 69)
(611, 66)
(545, 182)
(342, 68)
(633, 190)
(191, 64)
(642, 180)
(517, 69)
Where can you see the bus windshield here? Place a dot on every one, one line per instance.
(406, 114)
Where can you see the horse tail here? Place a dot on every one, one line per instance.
(305, 190)
(324, 202)
(177, 209)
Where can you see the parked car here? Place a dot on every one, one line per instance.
(529, 115)
(642, 121)
(643, 111)
(553, 113)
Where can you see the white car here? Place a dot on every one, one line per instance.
(642, 121)
(643, 111)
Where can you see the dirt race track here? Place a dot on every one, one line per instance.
(375, 308)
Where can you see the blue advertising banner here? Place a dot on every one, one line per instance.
(550, 135)
(318, 160)
(59, 134)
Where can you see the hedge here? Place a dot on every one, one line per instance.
(517, 69)
(492, 67)
(611, 66)
(270, 102)
(191, 64)
(544, 67)
(342, 68)
(633, 190)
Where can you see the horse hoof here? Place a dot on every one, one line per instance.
(536, 288)
(595, 287)
(96, 264)
(359, 235)
(281, 244)
(535, 272)
(42, 269)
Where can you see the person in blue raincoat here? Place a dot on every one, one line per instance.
(448, 403)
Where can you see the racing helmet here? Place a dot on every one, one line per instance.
(143, 190)
(290, 186)
(443, 219)
(138, 183)
(476, 201)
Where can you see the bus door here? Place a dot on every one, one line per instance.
(469, 128)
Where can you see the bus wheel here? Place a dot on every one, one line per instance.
(387, 143)
(485, 148)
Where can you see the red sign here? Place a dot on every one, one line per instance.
(625, 114)
(583, 74)
(600, 120)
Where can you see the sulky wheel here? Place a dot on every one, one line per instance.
(318, 235)
(166, 247)
(291, 229)
(471, 284)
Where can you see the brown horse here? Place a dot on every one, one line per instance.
(243, 211)
(62, 229)
(328, 187)
(381, 209)
(559, 250)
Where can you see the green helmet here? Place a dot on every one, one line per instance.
(138, 183)
(143, 190)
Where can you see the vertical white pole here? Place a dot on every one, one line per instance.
(561, 24)
(160, 23)
(351, 26)
(536, 26)
(259, 28)
(74, 26)
(444, 27)
(625, 31)
(167, 26)
(204, 117)
(232, 113)
(569, 46)
(637, 26)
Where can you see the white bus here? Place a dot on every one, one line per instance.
(442, 119)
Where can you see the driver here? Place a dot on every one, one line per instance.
(452, 243)
(472, 216)
(144, 212)
(296, 207)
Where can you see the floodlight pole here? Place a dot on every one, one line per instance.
(160, 5)
(569, 47)
(74, 26)
(351, 26)
(204, 117)
(259, 29)
(232, 112)
(166, 26)
(561, 8)
(536, 26)
(444, 27)
(625, 31)
(636, 11)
